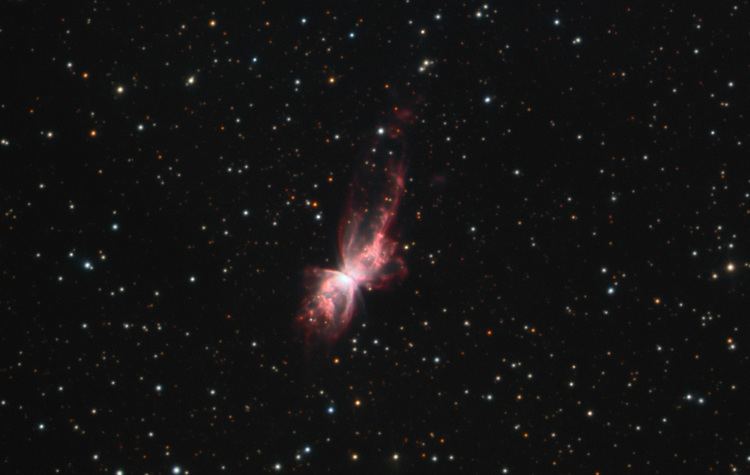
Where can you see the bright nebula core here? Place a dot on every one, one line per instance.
(368, 256)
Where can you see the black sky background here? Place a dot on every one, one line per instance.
(575, 215)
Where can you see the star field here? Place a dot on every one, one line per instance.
(573, 220)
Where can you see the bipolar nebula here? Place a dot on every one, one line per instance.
(368, 251)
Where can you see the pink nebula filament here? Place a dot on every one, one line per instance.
(368, 259)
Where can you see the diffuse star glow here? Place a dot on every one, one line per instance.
(368, 259)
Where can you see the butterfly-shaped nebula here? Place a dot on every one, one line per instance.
(368, 252)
